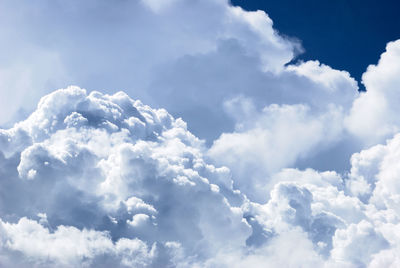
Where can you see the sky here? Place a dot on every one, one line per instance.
(345, 34)
(180, 133)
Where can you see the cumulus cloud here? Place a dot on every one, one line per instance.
(200, 65)
(273, 139)
(106, 180)
(373, 116)
(125, 45)
(97, 179)
(298, 119)
(68, 246)
(122, 180)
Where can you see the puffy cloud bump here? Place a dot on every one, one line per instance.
(374, 114)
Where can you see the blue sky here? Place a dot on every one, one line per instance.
(345, 34)
(181, 133)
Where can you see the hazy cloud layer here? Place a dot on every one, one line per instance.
(125, 45)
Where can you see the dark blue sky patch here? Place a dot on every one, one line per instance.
(345, 34)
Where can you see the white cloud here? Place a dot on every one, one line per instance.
(92, 179)
(68, 246)
(272, 139)
(373, 117)
(357, 244)
(337, 85)
(142, 178)
(170, 56)
(374, 175)
(123, 45)
(128, 185)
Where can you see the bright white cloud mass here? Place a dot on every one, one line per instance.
(244, 159)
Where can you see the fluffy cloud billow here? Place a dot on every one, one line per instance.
(103, 180)
(106, 177)
(380, 103)
(244, 158)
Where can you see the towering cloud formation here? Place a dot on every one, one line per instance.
(93, 179)
(105, 177)
(101, 180)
